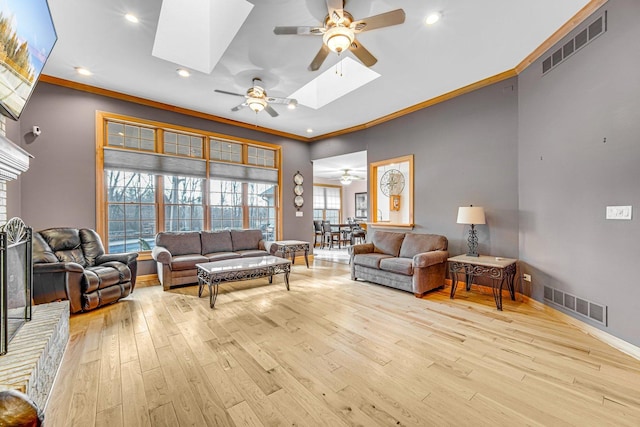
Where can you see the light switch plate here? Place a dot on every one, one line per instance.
(299, 213)
(619, 212)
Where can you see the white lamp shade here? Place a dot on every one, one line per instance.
(471, 215)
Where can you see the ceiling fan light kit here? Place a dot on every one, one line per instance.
(345, 180)
(339, 38)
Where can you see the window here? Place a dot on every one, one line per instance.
(183, 203)
(131, 136)
(327, 203)
(262, 208)
(225, 201)
(131, 211)
(183, 145)
(261, 157)
(225, 150)
(156, 178)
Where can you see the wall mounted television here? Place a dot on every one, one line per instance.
(27, 37)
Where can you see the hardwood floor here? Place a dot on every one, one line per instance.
(334, 352)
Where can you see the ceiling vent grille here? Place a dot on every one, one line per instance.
(581, 306)
(597, 27)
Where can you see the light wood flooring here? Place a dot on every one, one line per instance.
(332, 352)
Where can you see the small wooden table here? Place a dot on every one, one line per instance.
(231, 270)
(288, 248)
(497, 269)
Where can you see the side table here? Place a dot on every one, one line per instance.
(499, 270)
(288, 248)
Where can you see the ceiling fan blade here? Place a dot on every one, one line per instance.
(237, 107)
(362, 54)
(228, 93)
(336, 10)
(274, 100)
(320, 57)
(386, 19)
(271, 111)
(299, 31)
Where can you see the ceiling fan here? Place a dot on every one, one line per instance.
(339, 32)
(346, 177)
(257, 99)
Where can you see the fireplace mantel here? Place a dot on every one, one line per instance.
(13, 159)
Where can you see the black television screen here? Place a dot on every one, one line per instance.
(27, 36)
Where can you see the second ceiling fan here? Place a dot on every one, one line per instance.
(257, 99)
(339, 32)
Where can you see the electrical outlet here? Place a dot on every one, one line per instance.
(526, 277)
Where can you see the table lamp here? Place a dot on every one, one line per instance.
(471, 215)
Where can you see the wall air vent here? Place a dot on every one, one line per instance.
(592, 310)
(597, 27)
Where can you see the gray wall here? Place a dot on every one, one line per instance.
(59, 188)
(465, 152)
(568, 174)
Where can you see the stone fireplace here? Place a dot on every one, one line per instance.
(34, 354)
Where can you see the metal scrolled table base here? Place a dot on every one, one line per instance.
(497, 275)
(213, 280)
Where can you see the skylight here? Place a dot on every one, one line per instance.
(342, 78)
(196, 33)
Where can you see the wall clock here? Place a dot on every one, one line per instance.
(298, 190)
(392, 182)
(298, 178)
(298, 201)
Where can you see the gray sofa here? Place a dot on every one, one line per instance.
(177, 253)
(407, 261)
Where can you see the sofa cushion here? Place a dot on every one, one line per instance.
(65, 244)
(369, 260)
(187, 262)
(217, 256)
(414, 243)
(62, 239)
(73, 255)
(245, 239)
(216, 241)
(91, 245)
(397, 265)
(180, 243)
(387, 242)
(108, 276)
(41, 250)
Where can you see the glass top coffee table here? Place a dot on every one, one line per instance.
(232, 270)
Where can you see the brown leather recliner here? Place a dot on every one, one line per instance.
(71, 264)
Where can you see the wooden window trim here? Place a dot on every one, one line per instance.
(102, 118)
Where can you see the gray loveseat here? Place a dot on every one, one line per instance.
(177, 253)
(407, 261)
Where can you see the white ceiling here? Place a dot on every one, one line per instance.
(334, 167)
(474, 40)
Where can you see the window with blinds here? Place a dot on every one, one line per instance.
(327, 203)
(157, 178)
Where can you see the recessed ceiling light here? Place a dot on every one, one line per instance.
(183, 72)
(131, 18)
(433, 18)
(309, 130)
(83, 71)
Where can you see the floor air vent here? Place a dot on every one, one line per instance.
(597, 27)
(593, 311)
